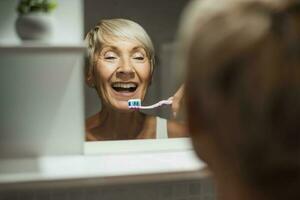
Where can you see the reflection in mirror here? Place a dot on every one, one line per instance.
(122, 65)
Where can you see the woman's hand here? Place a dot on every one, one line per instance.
(177, 100)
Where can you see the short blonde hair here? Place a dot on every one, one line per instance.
(108, 29)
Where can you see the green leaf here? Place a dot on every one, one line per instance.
(52, 5)
(27, 6)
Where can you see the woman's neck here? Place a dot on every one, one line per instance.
(120, 125)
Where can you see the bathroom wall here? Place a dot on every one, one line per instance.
(180, 190)
(39, 85)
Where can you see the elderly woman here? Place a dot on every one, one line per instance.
(121, 62)
(243, 94)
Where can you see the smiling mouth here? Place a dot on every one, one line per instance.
(124, 87)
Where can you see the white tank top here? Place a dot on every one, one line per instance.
(161, 128)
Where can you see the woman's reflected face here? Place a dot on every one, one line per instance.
(122, 72)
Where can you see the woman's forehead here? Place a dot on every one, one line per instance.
(113, 40)
(121, 43)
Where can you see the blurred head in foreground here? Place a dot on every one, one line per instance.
(242, 61)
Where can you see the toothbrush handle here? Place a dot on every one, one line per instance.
(160, 103)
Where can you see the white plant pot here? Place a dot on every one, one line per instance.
(37, 26)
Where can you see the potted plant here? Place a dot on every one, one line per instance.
(35, 21)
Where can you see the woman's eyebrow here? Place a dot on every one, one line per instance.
(109, 47)
(115, 48)
(138, 48)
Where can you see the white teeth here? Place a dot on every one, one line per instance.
(124, 85)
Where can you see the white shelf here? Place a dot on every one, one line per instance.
(41, 48)
(133, 146)
(99, 169)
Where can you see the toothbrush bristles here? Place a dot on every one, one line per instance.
(137, 104)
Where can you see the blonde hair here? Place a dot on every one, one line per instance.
(245, 55)
(109, 29)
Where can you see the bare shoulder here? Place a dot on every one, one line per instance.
(176, 129)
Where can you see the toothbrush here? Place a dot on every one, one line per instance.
(137, 104)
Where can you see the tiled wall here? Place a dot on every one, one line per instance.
(177, 190)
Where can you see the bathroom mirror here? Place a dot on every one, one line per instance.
(160, 19)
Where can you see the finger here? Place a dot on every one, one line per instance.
(175, 106)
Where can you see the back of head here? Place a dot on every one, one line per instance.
(243, 86)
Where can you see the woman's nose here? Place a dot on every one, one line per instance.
(125, 70)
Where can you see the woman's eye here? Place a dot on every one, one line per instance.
(139, 58)
(110, 56)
